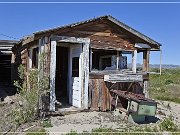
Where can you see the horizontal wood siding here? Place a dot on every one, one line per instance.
(99, 91)
(102, 36)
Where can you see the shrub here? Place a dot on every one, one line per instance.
(28, 95)
(30, 89)
(167, 82)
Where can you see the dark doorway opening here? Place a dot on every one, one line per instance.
(5, 69)
(61, 90)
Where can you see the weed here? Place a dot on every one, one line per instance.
(167, 82)
(27, 111)
(46, 123)
(72, 133)
(30, 90)
(38, 132)
(168, 125)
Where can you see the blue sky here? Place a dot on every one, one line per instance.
(161, 22)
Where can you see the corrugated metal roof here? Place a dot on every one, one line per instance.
(8, 41)
(110, 18)
(6, 46)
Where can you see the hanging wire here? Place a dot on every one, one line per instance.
(8, 36)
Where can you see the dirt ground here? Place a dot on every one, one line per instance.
(7, 104)
(86, 121)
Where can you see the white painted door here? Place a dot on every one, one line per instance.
(76, 51)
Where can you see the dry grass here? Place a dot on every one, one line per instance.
(166, 86)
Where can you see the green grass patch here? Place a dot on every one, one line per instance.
(46, 123)
(38, 132)
(166, 98)
(168, 125)
(166, 86)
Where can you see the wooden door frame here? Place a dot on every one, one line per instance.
(84, 67)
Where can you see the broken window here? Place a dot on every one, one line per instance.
(107, 60)
(33, 58)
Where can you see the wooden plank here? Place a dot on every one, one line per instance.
(104, 96)
(90, 93)
(93, 33)
(146, 60)
(134, 59)
(85, 68)
(52, 76)
(123, 78)
(145, 89)
(117, 60)
(100, 94)
(95, 93)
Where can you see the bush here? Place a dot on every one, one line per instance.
(167, 82)
(27, 108)
(30, 89)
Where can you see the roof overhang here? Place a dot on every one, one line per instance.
(144, 38)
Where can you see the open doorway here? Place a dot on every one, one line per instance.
(5, 69)
(61, 89)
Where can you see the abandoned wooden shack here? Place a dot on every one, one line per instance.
(5, 61)
(86, 60)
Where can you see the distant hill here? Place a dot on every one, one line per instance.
(166, 66)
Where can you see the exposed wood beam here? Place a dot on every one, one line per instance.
(160, 68)
(134, 58)
(146, 55)
(52, 76)
(117, 61)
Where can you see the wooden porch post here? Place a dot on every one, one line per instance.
(117, 61)
(12, 68)
(52, 76)
(146, 55)
(90, 52)
(160, 67)
(134, 57)
(86, 72)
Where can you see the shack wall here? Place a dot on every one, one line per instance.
(100, 98)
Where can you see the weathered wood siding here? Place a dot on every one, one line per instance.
(99, 96)
(99, 91)
(103, 35)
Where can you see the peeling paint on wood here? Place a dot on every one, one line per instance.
(52, 76)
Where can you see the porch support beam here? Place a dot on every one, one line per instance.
(146, 55)
(52, 76)
(86, 45)
(91, 52)
(117, 60)
(160, 67)
(134, 58)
